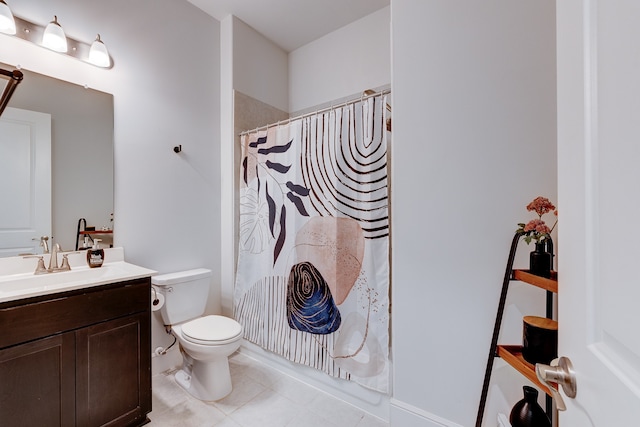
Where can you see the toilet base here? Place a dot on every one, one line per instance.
(206, 381)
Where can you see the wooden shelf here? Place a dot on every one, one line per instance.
(512, 354)
(96, 231)
(541, 282)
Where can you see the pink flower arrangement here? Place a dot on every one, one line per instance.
(537, 229)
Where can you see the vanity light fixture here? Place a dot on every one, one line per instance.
(53, 37)
(7, 23)
(98, 54)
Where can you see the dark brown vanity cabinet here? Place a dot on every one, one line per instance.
(79, 358)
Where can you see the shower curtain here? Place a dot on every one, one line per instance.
(313, 265)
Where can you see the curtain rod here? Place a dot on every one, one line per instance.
(322, 110)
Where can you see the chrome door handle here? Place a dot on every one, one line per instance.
(561, 372)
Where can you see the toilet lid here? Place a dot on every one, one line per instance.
(211, 329)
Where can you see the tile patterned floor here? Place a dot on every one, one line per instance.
(261, 397)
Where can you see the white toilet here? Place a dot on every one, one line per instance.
(205, 341)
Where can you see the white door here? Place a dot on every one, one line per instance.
(599, 208)
(25, 180)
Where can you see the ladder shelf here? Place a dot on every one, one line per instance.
(512, 354)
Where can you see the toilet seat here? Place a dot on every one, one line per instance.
(211, 330)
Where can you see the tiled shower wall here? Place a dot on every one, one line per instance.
(248, 114)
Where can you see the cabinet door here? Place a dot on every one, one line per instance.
(37, 383)
(113, 372)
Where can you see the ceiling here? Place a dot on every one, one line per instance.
(292, 23)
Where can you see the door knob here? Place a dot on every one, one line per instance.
(561, 372)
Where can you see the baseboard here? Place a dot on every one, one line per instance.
(406, 415)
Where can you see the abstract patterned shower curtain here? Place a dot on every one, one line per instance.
(313, 266)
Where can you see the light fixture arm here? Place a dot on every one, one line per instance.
(13, 79)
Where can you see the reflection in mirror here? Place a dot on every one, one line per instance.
(8, 82)
(81, 148)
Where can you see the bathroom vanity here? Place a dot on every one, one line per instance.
(80, 356)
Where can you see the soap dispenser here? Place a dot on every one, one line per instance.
(85, 244)
(95, 255)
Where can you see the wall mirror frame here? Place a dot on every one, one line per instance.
(82, 165)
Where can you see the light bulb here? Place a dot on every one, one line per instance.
(54, 37)
(98, 54)
(7, 23)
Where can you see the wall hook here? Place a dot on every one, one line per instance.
(177, 148)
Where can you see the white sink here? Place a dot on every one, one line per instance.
(24, 285)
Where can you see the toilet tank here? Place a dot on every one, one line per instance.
(185, 294)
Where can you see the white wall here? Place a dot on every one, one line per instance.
(473, 142)
(259, 67)
(255, 66)
(165, 83)
(343, 63)
(227, 168)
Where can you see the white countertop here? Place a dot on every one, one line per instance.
(17, 280)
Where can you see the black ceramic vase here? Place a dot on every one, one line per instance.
(540, 261)
(527, 412)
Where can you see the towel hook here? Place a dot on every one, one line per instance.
(177, 148)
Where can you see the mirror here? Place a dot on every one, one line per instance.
(81, 154)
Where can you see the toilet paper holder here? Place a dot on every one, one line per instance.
(157, 299)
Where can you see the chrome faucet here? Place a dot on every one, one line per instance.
(44, 243)
(53, 261)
